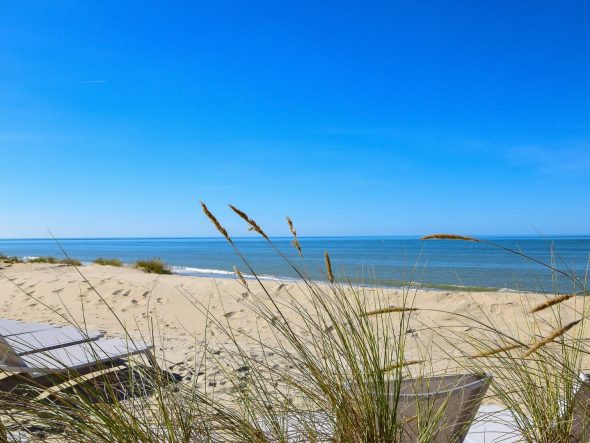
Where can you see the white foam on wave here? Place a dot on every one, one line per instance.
(190, 270)
(195, 272)
(514, 291)
(273, 278)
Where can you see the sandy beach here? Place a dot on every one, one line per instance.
(58, 294)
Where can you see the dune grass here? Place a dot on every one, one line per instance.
(108, 262)
(71, 262)
(52, 260)
(153, 266)
(10, 259)
(45, 259)
(536, 370)
(343, 353)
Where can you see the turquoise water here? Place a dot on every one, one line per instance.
(386, 261)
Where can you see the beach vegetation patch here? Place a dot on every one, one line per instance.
(47, 259)
(10, 259)
(70, 262)
(108, 262)
(55, 261)
(153, 266)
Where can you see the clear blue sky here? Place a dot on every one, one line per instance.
(354, 118)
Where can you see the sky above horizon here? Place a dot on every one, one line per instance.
(388, 118)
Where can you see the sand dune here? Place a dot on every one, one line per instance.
(105, 296)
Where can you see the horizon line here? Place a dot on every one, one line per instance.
(249, 237)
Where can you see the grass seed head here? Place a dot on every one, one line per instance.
(253, 225)
(240, 276)
(495, 351)
(388, 310)
(291, 227)
(449, 237)
(295, 242)
(215, 222)
(551, 302)
(556, 334)
(329, 272)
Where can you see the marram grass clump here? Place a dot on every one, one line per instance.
(55, 261)
(71, 262)
(108, 262)
(153, 266)
(47, 259)
(10, 259)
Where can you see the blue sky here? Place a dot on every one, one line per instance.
(386, 118)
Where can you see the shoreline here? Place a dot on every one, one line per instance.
(189, 271)
(388, 262)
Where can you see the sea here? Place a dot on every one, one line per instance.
(367, 261)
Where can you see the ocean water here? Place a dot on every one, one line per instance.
(384, 261)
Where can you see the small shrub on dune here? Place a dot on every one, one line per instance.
(71, 262)
(48, 259)
(108, 262)
(10, 259)
(154, 266)
(54, 261)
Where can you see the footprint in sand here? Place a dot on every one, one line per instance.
(127, 292)
(145, 294)
(498, 308)
(230, 314)
(117, 292)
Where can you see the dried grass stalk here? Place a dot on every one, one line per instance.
(296, 245)
(555, 334)
(449, 237)
(399, 365)
(215, 222)
(329, 272)
(495, 351)
(551, 302)
(291, 227)
(295, 241)
(240, 276)
(253, 225)
(388, 310)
